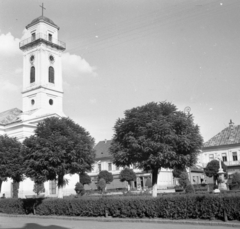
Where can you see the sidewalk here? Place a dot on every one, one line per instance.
(60, 222)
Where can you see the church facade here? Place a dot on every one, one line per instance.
(42, 94)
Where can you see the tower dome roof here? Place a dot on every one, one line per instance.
(42, 19)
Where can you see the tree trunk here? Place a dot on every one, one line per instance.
(128, 186)
(60, 192)
(154, 182)
(60, 186)
(15, 189)
(0, 185)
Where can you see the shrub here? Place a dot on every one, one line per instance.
(177, 170)
(38, 188)
(236, 178)
(235, 184)
(12, 206)
(148, 182)
(108, 177)
(190, 189)
(127, 175)
(179, 188)
(212, 168)
(79, 189)
(182, 206)
(183, 180)
(85, 178)
(101, 185)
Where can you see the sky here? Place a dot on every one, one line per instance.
(126, 53)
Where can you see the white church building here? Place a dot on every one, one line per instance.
(42, 94)
(42, 97)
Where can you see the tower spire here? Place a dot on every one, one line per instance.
(42, 6)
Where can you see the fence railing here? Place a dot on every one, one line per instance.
(41, 36)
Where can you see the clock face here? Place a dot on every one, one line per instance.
(51, 58)
(32, 58)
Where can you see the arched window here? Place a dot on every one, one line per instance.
(51, 74)
(32, 74)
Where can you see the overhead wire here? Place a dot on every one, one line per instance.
(133, 25)
(134, 30)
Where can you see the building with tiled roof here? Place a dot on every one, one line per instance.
(225, 146)
(10, 116)
(104, 161)
(102, 150)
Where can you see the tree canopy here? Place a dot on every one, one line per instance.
(236, 178)
(156, 136)
(11, 158)
(148, 182)
(85, 178)
(128, 175)
(59, 147)
(79, 188)
(212, 168)
(107, 176)
(177, 170)
(38, 188)
(184, 180)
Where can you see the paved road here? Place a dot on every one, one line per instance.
(41, 223)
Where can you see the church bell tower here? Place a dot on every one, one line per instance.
(42, 69)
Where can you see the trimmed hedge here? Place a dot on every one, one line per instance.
(171, 207)
(12, 206)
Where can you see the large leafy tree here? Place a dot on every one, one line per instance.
(156, 136)
(11, 160)
(59, 147)
(212, 168)
(127, 175)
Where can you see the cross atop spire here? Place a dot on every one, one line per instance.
(42, 6)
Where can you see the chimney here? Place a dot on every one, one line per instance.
(231, 123)
(232, 132)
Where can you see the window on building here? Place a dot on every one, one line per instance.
(211, 157)
(109, 166)
(52, 187)
(51, 74)
(194, 179)
(50, 37)
(224, 156)
(32, 74)
(99, 167)
(33, 36)
(235, 157)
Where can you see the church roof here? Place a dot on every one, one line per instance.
(9, 116)
(42, 19)
(228, 136)
(102, 149)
